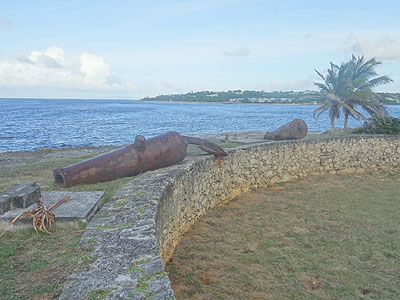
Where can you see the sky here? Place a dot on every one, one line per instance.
(133, 49)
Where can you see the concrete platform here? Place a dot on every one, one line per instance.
(81, 208)
(242, 137)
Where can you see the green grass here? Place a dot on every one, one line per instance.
(97, 294)
(134, 267)
(34, 265)
(120, 203)
(42, 172)
(327, 237)
(141, 210)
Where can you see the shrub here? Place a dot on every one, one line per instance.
(388, 125)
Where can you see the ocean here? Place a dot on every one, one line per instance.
(29, 124)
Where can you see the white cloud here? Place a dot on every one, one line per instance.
(53, 67)
(387, 48)
(5, 22)
(238, 52)
(96, 71)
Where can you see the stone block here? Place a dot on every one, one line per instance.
(81, 208)
(5, 202)
(24, 194)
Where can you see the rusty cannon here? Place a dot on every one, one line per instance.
(141, 156)
(296, 129)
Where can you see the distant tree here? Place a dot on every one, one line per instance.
(349, 86)
(333, 92)
(364, 79)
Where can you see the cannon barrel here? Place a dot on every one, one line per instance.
(296, 129)
(143, 155)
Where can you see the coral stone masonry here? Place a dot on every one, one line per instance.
(137, 231)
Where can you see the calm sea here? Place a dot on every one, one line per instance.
(29, 124)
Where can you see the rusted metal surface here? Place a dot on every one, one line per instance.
(296, 129)
(206, 146)
(144, 155)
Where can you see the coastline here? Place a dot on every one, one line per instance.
(236, 103)
(226, 103)
(173, 101)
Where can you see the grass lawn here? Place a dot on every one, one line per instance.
(35, 266)
(327, 237)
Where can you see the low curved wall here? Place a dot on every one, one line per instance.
(136, 232)
(205, 183)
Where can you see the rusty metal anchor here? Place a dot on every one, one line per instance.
(144, 155)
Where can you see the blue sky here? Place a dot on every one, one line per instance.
(132, 49)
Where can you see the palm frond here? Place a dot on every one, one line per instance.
(323, 107)
(379, 80)
(328, 85)
(351, 111)
(320, 75)
(322, 87)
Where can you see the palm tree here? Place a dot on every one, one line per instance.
(335, 91)
(348, 86)
(363, 78)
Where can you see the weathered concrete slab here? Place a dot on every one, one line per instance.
(248, 141)
(242, 137)
(83, 205)
(81, 208)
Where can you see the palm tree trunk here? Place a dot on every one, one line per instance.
(346, 117)
(332, 123)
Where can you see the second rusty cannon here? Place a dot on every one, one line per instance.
(294, 130)
(144, 155)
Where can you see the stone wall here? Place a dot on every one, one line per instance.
(136, 232)
(205, 183)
